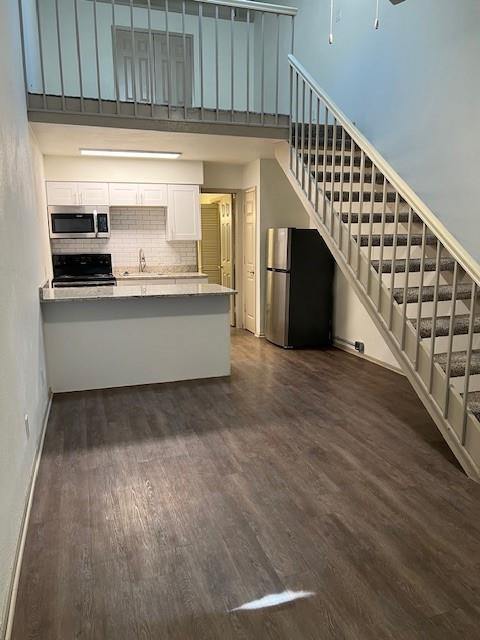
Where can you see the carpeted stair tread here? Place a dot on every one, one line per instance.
(378, 217)
(464, 291)
(446, 264)
(442, 326)
(473, 402)
(402, 240)
(459, 363)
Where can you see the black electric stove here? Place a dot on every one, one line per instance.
(82, 270)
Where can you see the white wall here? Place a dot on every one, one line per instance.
(23, 268)
(123, 170)
(412, 89)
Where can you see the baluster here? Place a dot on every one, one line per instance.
(394, 259)
(134, 63)
(325, 151)
(309, 160)
(370, 227)
(290, 131)
(297, 123)
(468, 362)
(184, 43)
(216, 65)
(451, 330)
(277, 68)
(317, 145)
(40, 51)
(79, 55)
(60, 64)
(420, 293)
(434, 316)
(262, 72)
(332, 181)
(360, 209)
(407, 274)
(382, 243)
(232, 61)
(169, 65)
(342, 169)
(302, 144)
(350, 198)
(97, 59)
(248, 67)
(200, 53)
(151, 56)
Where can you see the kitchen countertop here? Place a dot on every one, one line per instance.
(151, 275)
(79, 294)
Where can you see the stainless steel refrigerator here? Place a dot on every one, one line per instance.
(299, 288)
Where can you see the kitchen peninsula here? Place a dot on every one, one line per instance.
(112, 336)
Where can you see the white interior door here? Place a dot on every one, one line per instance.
(134, 71)
(249, 266)
(226, 252)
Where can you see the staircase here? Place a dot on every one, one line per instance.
(419, 286)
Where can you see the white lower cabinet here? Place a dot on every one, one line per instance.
(183, 214)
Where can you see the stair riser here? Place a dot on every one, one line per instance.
(460, 343)
(414, 279)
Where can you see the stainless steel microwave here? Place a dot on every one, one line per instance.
(79, 222)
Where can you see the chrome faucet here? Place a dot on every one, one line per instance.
(142, 263)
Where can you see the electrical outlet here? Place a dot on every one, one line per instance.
(27, 425)
(360, 347)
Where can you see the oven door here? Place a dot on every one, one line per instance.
(72, 222)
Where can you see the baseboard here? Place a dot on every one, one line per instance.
(12, 598)
(344, 346)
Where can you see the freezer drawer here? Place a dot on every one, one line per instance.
(276, 311)
(278, 249)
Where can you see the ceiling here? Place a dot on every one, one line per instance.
(65, 140)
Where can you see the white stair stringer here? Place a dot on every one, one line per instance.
(429, 382)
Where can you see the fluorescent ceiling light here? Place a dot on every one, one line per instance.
(113, 153)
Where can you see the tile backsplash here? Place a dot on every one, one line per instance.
(133, 229)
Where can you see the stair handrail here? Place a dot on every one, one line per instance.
(466, 261)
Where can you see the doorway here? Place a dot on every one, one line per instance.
(216, 248)
(249, 259)
(149, 65)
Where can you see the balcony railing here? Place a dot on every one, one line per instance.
(172, 60)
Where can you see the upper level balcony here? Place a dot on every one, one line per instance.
(208, 66)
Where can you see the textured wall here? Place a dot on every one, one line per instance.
(132, 229)
(23, 265)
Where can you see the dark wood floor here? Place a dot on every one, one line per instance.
(158, 508)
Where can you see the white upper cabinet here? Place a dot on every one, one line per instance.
(93, 193)
(62, 193)
(123, 194)
(77, 193)
(183, 216)
(153, 195)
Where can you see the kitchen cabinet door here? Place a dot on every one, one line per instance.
(153, 195)
(93, 193)
(62, 193)
(183, 214)
(123, 194)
